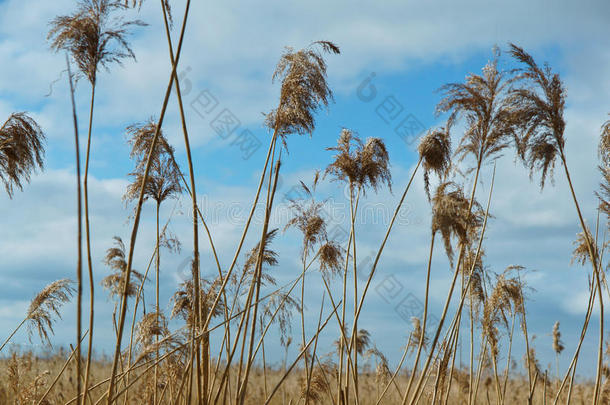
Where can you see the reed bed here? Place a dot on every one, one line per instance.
(210, 347)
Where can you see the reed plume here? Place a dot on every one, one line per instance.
(581, 252)
(43, 309)
(604, 143)
(330, 258)
(417, 336)
(184, 302)
(473, 268)
(313, 391)
(116, 260)
(21, 150)
(483, 104)
(152, 326)
(164, 176)
(435, 152)
(308, 219)
(93, 35)
(269, 258)
(46, 305)
(362, 337)
(360, 164)
(452, 216)
(539, 117)
(304, 89)
(558, 347)
(382, 369)
(557, 343)
(283, 306)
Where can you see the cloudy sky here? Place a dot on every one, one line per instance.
(394, 53)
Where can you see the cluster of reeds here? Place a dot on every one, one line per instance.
(497, 111)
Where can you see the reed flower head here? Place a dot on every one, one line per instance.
(382, 369)
(308, 219)
(285, 306)
(451, 215)
(604, 143)
(93, 35)
(151, 325)
(581, 251)
(557, 343)
(184, 300)
(539, 107)
(506, 299)
(360, 164)
(304, 89)
(363, 341)
(269, 258)
(45, 306)
(21, 150)
(435, 152)
(116, 259)
(472, 266)
(488, 115)
(164, 175)
(604, 192)
(331, 258)
(417, 335)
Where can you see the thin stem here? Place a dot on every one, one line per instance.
(593, 258)
(13, 333)
(79, 237)
(158, 266)
(88, 240)
(425, 317)
(510, 346)
(134, 233)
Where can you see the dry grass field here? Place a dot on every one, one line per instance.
(28, 377)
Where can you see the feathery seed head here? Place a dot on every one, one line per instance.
(304, 89)
(557, 343)
(331, 258)
(435, 152)
(451, 215)
(486, 110)
(45, 306)
(360, 164)
(21, 150)
(93, 35)
(538, 109)
(164, 175)
(581, 251)
(116, 259)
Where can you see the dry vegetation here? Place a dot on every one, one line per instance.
(498, 112)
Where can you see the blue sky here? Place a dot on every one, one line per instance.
(230, 51)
